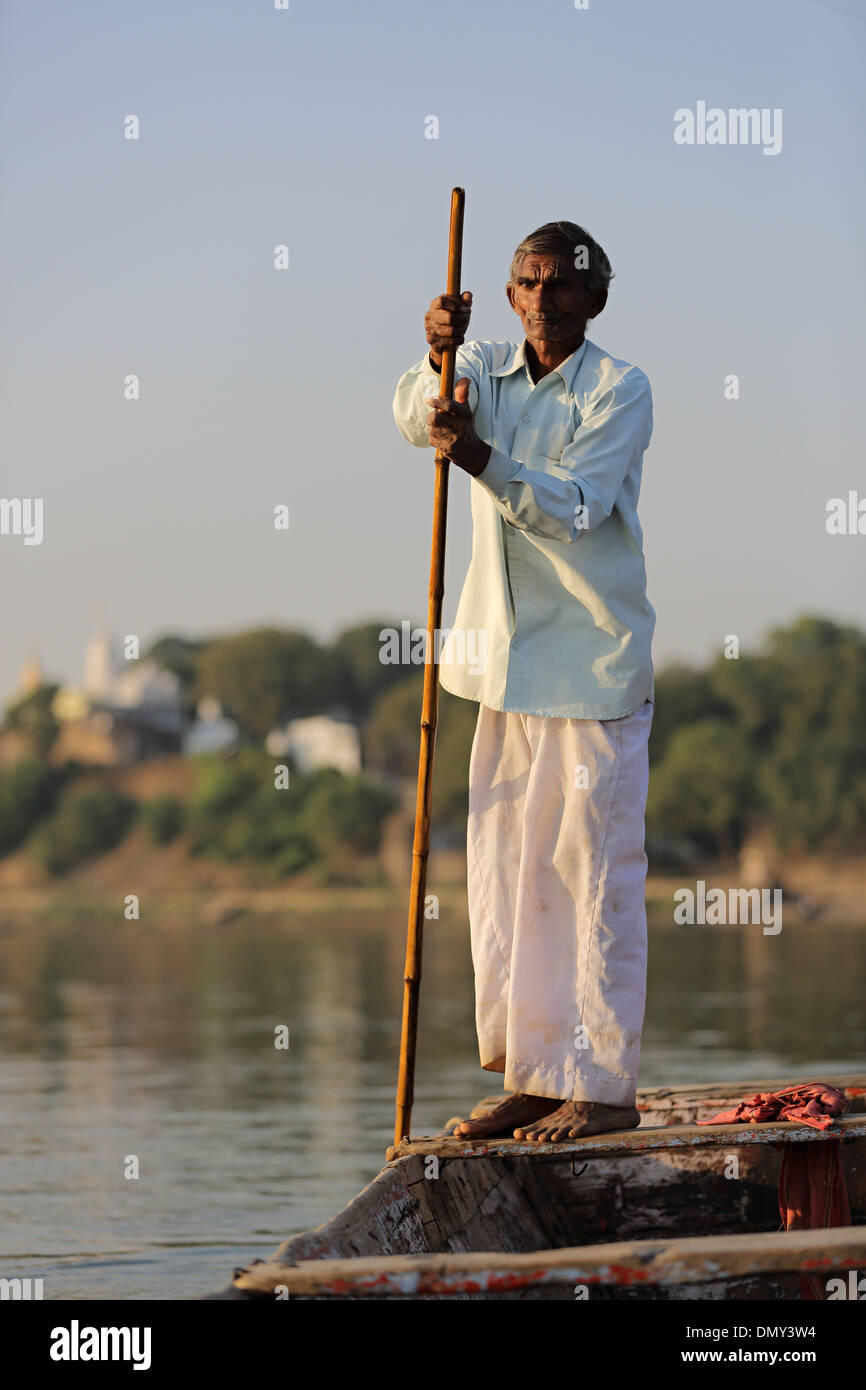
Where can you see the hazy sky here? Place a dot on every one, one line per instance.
(258, 387)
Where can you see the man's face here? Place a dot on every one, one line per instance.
(551, 298)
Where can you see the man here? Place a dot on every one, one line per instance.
(552, 431)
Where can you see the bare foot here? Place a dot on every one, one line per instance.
(575, 1119)
(513, 1110)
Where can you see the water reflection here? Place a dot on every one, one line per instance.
(124, 1040)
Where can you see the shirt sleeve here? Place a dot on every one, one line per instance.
(582, 493)
(410, 406)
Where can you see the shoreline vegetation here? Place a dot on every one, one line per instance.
(757, 780)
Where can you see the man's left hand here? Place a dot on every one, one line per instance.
(451, 428)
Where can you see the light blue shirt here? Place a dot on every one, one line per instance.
(553, 618)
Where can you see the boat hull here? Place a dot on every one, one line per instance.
(661, 1182)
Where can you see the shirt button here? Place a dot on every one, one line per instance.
(526, 419)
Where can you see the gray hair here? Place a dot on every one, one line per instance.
(568, 240)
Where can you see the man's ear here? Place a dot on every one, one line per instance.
(599, 300)
(509, 290)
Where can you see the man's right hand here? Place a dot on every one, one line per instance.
(446, 322)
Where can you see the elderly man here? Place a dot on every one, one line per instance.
(552, 431)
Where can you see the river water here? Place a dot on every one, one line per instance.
(125, 1048)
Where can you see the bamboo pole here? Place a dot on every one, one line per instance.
(429, 715)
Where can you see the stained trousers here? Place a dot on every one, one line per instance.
(556, 882)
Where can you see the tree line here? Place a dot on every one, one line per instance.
(774, 740)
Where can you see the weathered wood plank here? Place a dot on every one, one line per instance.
(852, 1083)
(687, 1104)
(644, 1139)
(646, 1264)
(383, 1216)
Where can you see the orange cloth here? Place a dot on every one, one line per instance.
(812, 1195)
(816, 1104)
(812, 1191)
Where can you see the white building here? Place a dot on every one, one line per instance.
(212, 731)
(319, 741)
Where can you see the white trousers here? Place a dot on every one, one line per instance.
(556, 881)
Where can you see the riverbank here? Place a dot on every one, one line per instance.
(165, 888)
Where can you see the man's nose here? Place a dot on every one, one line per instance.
(541, 296)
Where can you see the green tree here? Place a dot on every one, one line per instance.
(236, 813)
(812, 772)
(222, 793)
(33, 716)
(345, 812)
(179, 655)
(701, 788)
(795, 707)
(366, 677)
(391, 733)
(163, 818)
(266, 676)
(27, 793)
(682, 695)
(86, 822)
(392, 737)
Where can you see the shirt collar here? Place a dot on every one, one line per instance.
(568, 369)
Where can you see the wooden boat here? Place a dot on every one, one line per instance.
(672, 1209)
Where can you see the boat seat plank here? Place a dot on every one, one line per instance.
(644, 1139)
